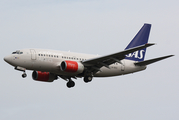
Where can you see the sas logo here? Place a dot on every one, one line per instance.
(137, 54)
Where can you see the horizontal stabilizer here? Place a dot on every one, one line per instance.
(147, 62)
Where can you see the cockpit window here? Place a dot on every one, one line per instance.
(13, 52)
(17, 52)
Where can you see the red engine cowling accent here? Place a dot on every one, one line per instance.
(72, 66)
(43, 76)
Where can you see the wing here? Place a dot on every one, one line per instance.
(94, 65)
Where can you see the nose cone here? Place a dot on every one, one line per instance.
(8, 59)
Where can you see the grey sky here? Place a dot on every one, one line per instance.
(94, 27)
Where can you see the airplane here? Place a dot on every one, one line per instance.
(49, 65)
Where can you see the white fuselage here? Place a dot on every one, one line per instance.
(49, 61)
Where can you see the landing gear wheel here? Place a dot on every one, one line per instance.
(70, 84)
(24, 75)
(88, 79)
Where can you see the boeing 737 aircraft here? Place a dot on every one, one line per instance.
(49, 65)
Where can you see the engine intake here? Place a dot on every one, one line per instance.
(43, 76)
(72, 66)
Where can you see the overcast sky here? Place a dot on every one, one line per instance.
(95, 27)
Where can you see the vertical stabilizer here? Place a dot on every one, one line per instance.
(140, 39)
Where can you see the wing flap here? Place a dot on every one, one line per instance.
(147, 62)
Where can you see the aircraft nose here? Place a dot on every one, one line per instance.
(7, 59)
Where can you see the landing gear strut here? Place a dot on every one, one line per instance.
(21, 69)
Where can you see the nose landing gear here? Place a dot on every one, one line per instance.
(21, 69)
(24, 75)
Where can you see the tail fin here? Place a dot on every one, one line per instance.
(140, 39)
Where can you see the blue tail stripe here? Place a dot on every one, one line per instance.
(140, 39)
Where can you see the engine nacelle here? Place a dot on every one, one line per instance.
(43, 76)
(72, 66)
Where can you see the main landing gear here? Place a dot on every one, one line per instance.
(70, 83)
(88, 79)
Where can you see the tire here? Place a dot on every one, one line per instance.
(88, 79)
(24, 75)
(70, 84)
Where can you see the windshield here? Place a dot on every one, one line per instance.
(13, 52)
(17, 52)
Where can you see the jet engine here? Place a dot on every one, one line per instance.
(43, 76)
(72, 66)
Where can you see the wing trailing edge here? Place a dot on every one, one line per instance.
(147, 62)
